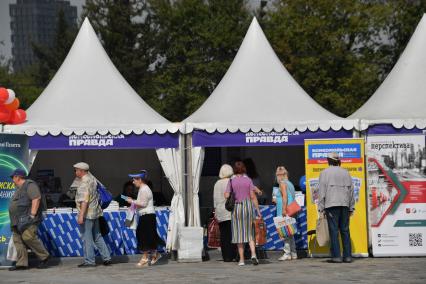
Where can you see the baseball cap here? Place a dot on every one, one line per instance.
(334, 156)
(82, 166)
(19, 172)
(141, 174)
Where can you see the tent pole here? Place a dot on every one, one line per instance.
(189, 184)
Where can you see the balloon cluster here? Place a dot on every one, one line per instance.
(9, 108)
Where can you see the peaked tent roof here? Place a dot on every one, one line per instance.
(401, 98)
(257, 93)
(89, 95)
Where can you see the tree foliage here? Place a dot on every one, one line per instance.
(175, 52)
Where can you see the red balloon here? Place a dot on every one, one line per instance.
(18, 116)
(4, 114)
(13, 105)
(4, 95)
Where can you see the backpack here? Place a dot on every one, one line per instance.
(105, 197)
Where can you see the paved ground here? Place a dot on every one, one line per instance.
(313, 271)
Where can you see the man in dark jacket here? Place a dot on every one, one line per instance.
(25, 217)
(336, 198)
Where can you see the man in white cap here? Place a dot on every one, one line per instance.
(89, 211)
(336, 199)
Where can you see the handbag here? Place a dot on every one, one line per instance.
(293, 208)
(286, 226)
(230, 201)
(322, 233)
(103, 226)
(260, 231)
(213, 234)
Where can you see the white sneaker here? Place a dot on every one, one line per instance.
(241, 264)
(293, 256)
(285, 257)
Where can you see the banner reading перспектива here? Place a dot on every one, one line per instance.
(396, 168)
(13, 155)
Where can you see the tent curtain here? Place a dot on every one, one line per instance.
(171, 162)
(197, 160)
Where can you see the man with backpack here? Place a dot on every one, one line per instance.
(25, 212)
(89, 211)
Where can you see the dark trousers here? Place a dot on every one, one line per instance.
(229, 250)
(338, 220)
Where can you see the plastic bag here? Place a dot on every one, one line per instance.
(12, 253)
(286, 226)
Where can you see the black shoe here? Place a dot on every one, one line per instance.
(347, 259)
(43, 264)
(335, 260)
(13, 268)
(107, 262)
(86, 265)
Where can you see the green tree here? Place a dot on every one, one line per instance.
(334, 49)
(197, 41)
(401, 25)
(49, 59)
(124, 27)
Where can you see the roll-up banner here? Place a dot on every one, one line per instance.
(396, 177)
(13, 155)
(351, 152)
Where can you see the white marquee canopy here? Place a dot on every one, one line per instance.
(258, 94)
(401, 98)
(89, 95)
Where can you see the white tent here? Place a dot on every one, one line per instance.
(256, 94)
(401, 98)
(89, 96)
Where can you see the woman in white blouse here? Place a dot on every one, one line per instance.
(223, 216)
(146, 231)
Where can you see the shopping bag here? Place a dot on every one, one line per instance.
(213, 234)
(322, 233)
(12, 254)
(260, 231)
(286, 226)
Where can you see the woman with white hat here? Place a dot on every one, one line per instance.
(146, 231)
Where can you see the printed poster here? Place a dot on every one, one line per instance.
(351, 152)
(396, 177)
(13, 154)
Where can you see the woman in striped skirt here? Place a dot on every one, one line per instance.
(243, 214)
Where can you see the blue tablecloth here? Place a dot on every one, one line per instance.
(273, 240)
(61, 235)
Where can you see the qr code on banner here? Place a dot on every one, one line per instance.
(415, 239)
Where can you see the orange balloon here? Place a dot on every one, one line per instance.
(13, 105)
(4, 114)
(18, 116)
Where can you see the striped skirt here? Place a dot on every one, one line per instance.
(242, 222)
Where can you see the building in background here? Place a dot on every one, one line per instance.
(35, 21)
